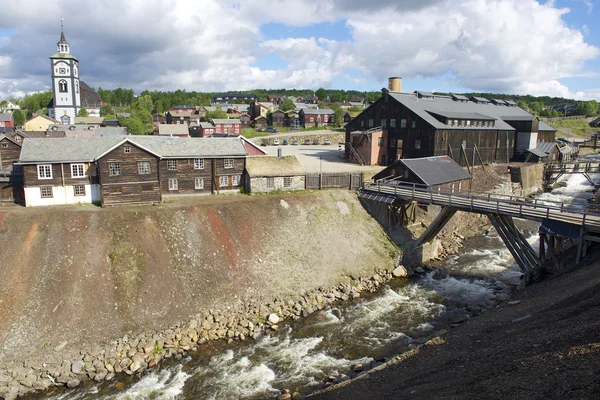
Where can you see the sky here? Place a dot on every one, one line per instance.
(537, 47)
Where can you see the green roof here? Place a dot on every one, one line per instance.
(60, 55)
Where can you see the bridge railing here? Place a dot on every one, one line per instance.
(474, 200)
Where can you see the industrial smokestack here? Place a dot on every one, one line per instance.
(395, 84)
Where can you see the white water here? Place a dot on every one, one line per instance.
(331, 341)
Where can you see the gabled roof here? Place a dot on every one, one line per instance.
(43, 116)
(173, 129)
(323, 111)
(89, 97)
(459, 97)
(262, 166)
(441, 105)
(227, 121)
(6, 117)
(436, 170)
(206, 125)
(480, 99)
(543, 149)
(499, 101)
(3, 136)
(90, 149)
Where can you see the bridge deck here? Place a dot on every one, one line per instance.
(487, 203)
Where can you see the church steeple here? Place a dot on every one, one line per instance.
(62, 45)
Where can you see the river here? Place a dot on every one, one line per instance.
(338, 342)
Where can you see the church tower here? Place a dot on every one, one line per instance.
(66, 102)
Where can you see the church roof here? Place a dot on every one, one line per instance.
(89, 97)
(63, 55)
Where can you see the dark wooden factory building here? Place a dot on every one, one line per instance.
(422, 124)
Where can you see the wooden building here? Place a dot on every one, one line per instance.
(429, 172)
(310, 117)
(11, 181)
(7, 121)
(10, 149)
(227, 126)
(130, 170)
(422, 124)
(277, 118)
(260, 122)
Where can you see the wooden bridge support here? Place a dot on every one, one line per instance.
(436, 226)
(521, 250)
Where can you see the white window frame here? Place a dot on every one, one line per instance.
(403, 123)
(198, 163)
(49, 194)
(75, 191)
(287, 182)
(114, 169)
(270, 183)
(393, 123)
(384, 123)
(173, 184)
(172, 165)
(235, 180)
(221, 181)
(371, 122)
(144, 167)
(5, 145)
(44, 171)
(126, 149)
(228, 163)
(199, 183)
(77, 170)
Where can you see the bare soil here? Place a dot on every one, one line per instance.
(86, 275)
(544, 343)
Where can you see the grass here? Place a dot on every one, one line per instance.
(579, 127)
(250, 133)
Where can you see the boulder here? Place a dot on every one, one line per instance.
(77, 367)
(73, 383)
(400, 272)
(273, 319)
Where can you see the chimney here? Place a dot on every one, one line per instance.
(395, 84)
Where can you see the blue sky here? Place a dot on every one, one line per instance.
(503, 46)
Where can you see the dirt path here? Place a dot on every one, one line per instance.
(542, 344)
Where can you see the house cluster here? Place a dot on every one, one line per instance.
(403, 125)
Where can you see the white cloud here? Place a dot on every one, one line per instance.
(211, 45)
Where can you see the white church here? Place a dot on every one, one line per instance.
(70, 94)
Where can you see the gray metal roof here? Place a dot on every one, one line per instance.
(510, 102)
(323, 111)
(439, 105)
(227, 121)
(499, 101)
(463, 115)
(543, 149)
(518, 117)
(173, 129)
(480, 99)
(436, 170)
(424, 94)
(459, 97)
(5, 117)
(54, 150)
(65, 149)
(206, 125)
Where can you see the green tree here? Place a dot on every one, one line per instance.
(287, 104)
(587, 108)
(83, 113)
(3, 105)
(321, 93)
(337, 97)
(158, 106)
(134, 125)
(107, 111)
(217, 114)
(143, 103)
(321, 105)
(536, 107)
(338, 117)
(19, 117)
(336, 106)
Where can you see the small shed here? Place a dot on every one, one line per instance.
(431, 172)
(545, 151)
(268, 174)
(260, 122)
(595, 123)
(177, 130)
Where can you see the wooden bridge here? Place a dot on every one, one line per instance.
(560, 222)
(554, 171)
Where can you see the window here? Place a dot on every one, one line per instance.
(114, 169)
(172, 165)
(143, 167)
(198, 163)
(418, 144)
(270, 183)
(44, 172)
(468, 122)
(4, 145)
(46, 192)
(392, 123)
(62, 86)
(403, 123)
(77, 171)
(79, 190)
(228, 163)
(199, 183)
(371, 123)
(464, 144)
(384, 123)
(414, 124)
(287, 182)
(223, 181)
(312, 119)
(173, 184)
(17, 138)
(235, 180)
(380, 141)
(127, 149)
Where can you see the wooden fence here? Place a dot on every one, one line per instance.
(331, 180)
(555, 119)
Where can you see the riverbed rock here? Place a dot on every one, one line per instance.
(77, 367)
(400, 272)
(73, 383)
(273, 319)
